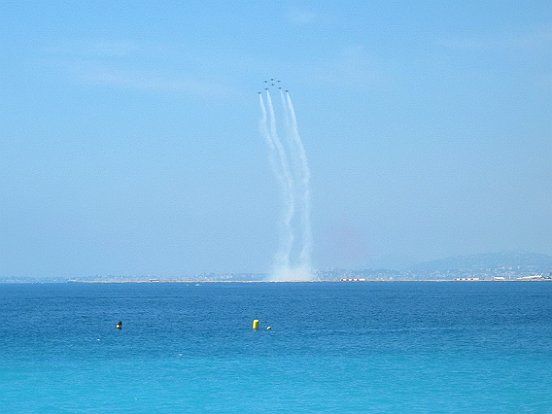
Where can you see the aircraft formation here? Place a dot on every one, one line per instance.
(272, 83)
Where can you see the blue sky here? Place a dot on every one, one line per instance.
(129, 139)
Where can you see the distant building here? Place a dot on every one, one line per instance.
(534, 277)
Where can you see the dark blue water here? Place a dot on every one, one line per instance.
(333, 348)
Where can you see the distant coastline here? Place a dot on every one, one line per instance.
(191, 281)
(490, 267)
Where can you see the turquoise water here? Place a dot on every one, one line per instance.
(334, 348)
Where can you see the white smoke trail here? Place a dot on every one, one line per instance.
(263, 126)
(284, 176)
(280, 259)
(305, 188)
(289, 161)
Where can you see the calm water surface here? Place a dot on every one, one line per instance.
(333, 348)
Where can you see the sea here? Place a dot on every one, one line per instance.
(405, 347)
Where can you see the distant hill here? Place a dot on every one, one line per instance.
(507, 265)
(491, 263)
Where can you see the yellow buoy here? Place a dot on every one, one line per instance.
(255, 325)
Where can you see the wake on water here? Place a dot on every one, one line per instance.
(289, 162)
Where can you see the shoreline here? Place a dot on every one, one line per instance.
(295, 281)
(197, 282)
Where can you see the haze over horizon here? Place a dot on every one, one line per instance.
(129, 140)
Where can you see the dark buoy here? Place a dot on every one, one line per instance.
(119, 325)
